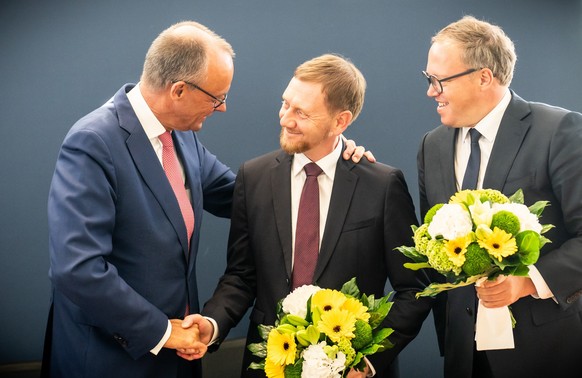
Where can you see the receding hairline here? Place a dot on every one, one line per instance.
(195, 30)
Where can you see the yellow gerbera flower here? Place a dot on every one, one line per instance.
(356, 307)
(327, 300)
(273, 370)
(457, 248)
(498, 243)
(281, 348)
(337, 324)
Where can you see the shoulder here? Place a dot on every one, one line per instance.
(540, 112)
(373, 171)
(266, 161)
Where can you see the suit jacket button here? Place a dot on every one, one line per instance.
(120, 340)
(469, 311)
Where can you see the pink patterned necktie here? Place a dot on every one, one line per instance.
(307, 230)
(174, 173)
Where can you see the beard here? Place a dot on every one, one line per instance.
(292, 147)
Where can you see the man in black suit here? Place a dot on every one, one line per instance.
(523, 145)
(366, 211)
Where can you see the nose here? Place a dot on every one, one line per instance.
(221, 108)
(284, 118)
(431, 92)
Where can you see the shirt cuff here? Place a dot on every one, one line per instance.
(215, 331)
(372, 371)
(542, 288)
(165, 338)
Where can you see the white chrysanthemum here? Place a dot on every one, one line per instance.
(527, 220)
(317, 364)
(296, 302)
(451, 221)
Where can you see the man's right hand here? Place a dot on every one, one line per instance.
(186, 338)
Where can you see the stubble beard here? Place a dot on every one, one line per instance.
(292, 148)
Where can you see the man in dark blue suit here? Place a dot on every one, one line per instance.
(122, 256)
(122, 264)
(523, 145)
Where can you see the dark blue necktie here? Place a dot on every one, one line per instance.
(472, 171)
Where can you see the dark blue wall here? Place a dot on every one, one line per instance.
(60, 59)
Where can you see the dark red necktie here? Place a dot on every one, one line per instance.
(307, 230)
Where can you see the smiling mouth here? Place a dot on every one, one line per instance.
(442, 104)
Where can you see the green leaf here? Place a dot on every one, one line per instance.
(543, 241)
(264, 331)
(546, 228)
(517, 197)
(351, 288)
(357, 360)
(381, 335)
(412, 253)
(538, 207)
(257, 365)
(258, 349)
(521, 271)
(417, 266)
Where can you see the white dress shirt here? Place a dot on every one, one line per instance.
(488, 128)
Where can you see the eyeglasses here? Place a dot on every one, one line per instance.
(437, 83)
(217, 101)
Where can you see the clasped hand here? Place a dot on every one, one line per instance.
(203, 330)
(186, 339)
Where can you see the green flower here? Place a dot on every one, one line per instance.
(506, 221)
(363, 334)
(492, 195)
(438, 258)
(421, 238)
(347, 348)
(477, 260)
(294, 371)
(528, 243)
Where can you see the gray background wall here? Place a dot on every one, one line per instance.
(60, 59)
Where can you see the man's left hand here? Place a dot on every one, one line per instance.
(356, 152)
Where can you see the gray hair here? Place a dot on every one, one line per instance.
(180, 53)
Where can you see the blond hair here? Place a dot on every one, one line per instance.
(342, 83)
(484, 45)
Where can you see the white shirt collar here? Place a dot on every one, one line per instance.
(151, 125)
(489, 125)
(328, 163)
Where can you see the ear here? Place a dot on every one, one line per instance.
(486, 78)
(177, 90)
(342, 121)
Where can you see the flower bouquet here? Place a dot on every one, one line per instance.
(322, 333)
(479, 234)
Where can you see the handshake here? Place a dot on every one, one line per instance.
(190, 337)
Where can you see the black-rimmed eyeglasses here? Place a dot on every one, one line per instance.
(217, 101)
(437, 83)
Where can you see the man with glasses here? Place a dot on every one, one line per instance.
(125, 208)
(520, 145)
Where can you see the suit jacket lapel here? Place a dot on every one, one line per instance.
(149, 166)
(512, 131)
(446, 160)
(344, 185)
(281, 189)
